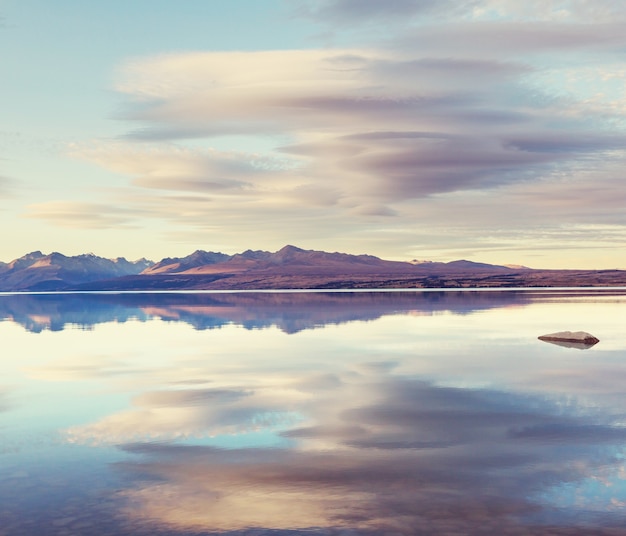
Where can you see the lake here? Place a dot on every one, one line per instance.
(343, 413)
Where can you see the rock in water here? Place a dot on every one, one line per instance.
(571, 339)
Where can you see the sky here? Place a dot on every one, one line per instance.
(488, 130)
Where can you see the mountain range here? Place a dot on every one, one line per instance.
(38, 272)
(287, 268)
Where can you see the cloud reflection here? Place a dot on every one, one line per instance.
(377, 453)
(179, 414)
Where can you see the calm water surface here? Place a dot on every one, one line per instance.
(318, 413)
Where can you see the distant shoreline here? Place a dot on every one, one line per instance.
(593, 289)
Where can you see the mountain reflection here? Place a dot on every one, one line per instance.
(386, 455)
(291, 311)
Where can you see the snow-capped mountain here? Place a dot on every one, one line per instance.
(55, 271)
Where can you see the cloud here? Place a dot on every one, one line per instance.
(329, 101)
(370, 12)
(360, 11)
(173, 168)
(72, 214)
(586, 433)
(302, 92)
(374, 210)
(517, 39)
(550, 10)
(172, 162)
(188, 398)
(473, 137)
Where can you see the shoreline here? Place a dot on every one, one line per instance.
(593, 289)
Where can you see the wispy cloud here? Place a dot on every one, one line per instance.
(368, 11)
(72, 214)
(389, 126)
(6, 186)
(342, 12)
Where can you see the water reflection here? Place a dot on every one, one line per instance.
(442, 414)
(386, 454)
(290, 311)
(570, 344)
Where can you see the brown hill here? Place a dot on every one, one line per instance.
(174, 265)
(293, 261)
